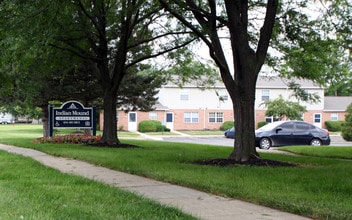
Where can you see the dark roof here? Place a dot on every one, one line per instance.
(337, 103)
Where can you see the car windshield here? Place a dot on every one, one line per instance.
(270, 126)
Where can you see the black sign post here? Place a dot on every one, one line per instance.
(72, 114)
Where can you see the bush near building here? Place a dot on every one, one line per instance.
(151, 126)
(346, 131)
(262, 123)
(227, 125)
(334, 126)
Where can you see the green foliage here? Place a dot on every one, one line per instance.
(315, 47)
(280, 108)
(346, 130)
(262, 123)
(227, 125)
(152, 126)
(148, 126)
(334, 125)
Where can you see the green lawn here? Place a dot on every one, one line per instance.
(28, 190)
(318, 187)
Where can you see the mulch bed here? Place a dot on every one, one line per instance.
(114, 145)
(223, 162)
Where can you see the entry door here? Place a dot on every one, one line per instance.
(170, 120)
(132, 121)
(317, 120)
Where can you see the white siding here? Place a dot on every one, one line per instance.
(288, 95)
(198, 99)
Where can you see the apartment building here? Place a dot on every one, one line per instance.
(192, 108)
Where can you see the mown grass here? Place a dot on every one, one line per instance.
(323, 151)
(28, 190)
(318, 187)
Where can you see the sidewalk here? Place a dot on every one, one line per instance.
(197, 203)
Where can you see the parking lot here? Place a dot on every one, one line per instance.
(336, 140)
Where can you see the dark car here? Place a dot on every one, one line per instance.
(282, 133)
(230, 133)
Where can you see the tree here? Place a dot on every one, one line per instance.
(315, 43)
(283, 109)
(346, 130)
(297, 42)
(208, 20)
(113, 35)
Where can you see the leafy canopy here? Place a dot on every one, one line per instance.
(284, 109)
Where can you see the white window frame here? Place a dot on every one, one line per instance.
(334, 117)
(216, 117)
(191, 117)
(184, 95)
(265, 94)
(223, 96)
(153, 116)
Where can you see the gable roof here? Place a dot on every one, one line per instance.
(276, 82)
(337, 103)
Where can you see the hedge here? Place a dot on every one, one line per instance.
(262, 123)
(334, 125)
(151, 126)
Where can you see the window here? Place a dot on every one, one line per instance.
(269, 119)
(216, 117)
(191, 117)
(265, 95)
(317, 118)
(223, 96)
(169, 117)
(287, 126)
(153, 116)
(334, 117)
(184, 96)
(132, 117)
(302, 126)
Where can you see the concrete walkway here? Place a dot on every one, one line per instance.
(196, 203)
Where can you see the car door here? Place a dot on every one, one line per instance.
(283, 134)
(302, 134)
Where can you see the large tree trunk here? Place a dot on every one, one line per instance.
(243, 105)
(110, 123)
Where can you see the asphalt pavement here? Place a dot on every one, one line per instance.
(219, 140)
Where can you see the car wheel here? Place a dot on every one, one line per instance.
(315, 142)
(265, 143)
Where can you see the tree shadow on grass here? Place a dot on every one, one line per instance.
(221, 162)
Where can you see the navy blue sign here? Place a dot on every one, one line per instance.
(72, 114)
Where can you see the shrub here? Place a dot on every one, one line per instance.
(152, 126)
(148, 126)
(346, 130)
(227, 125)
(334, 125)
(262, 123)
(160, 128)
